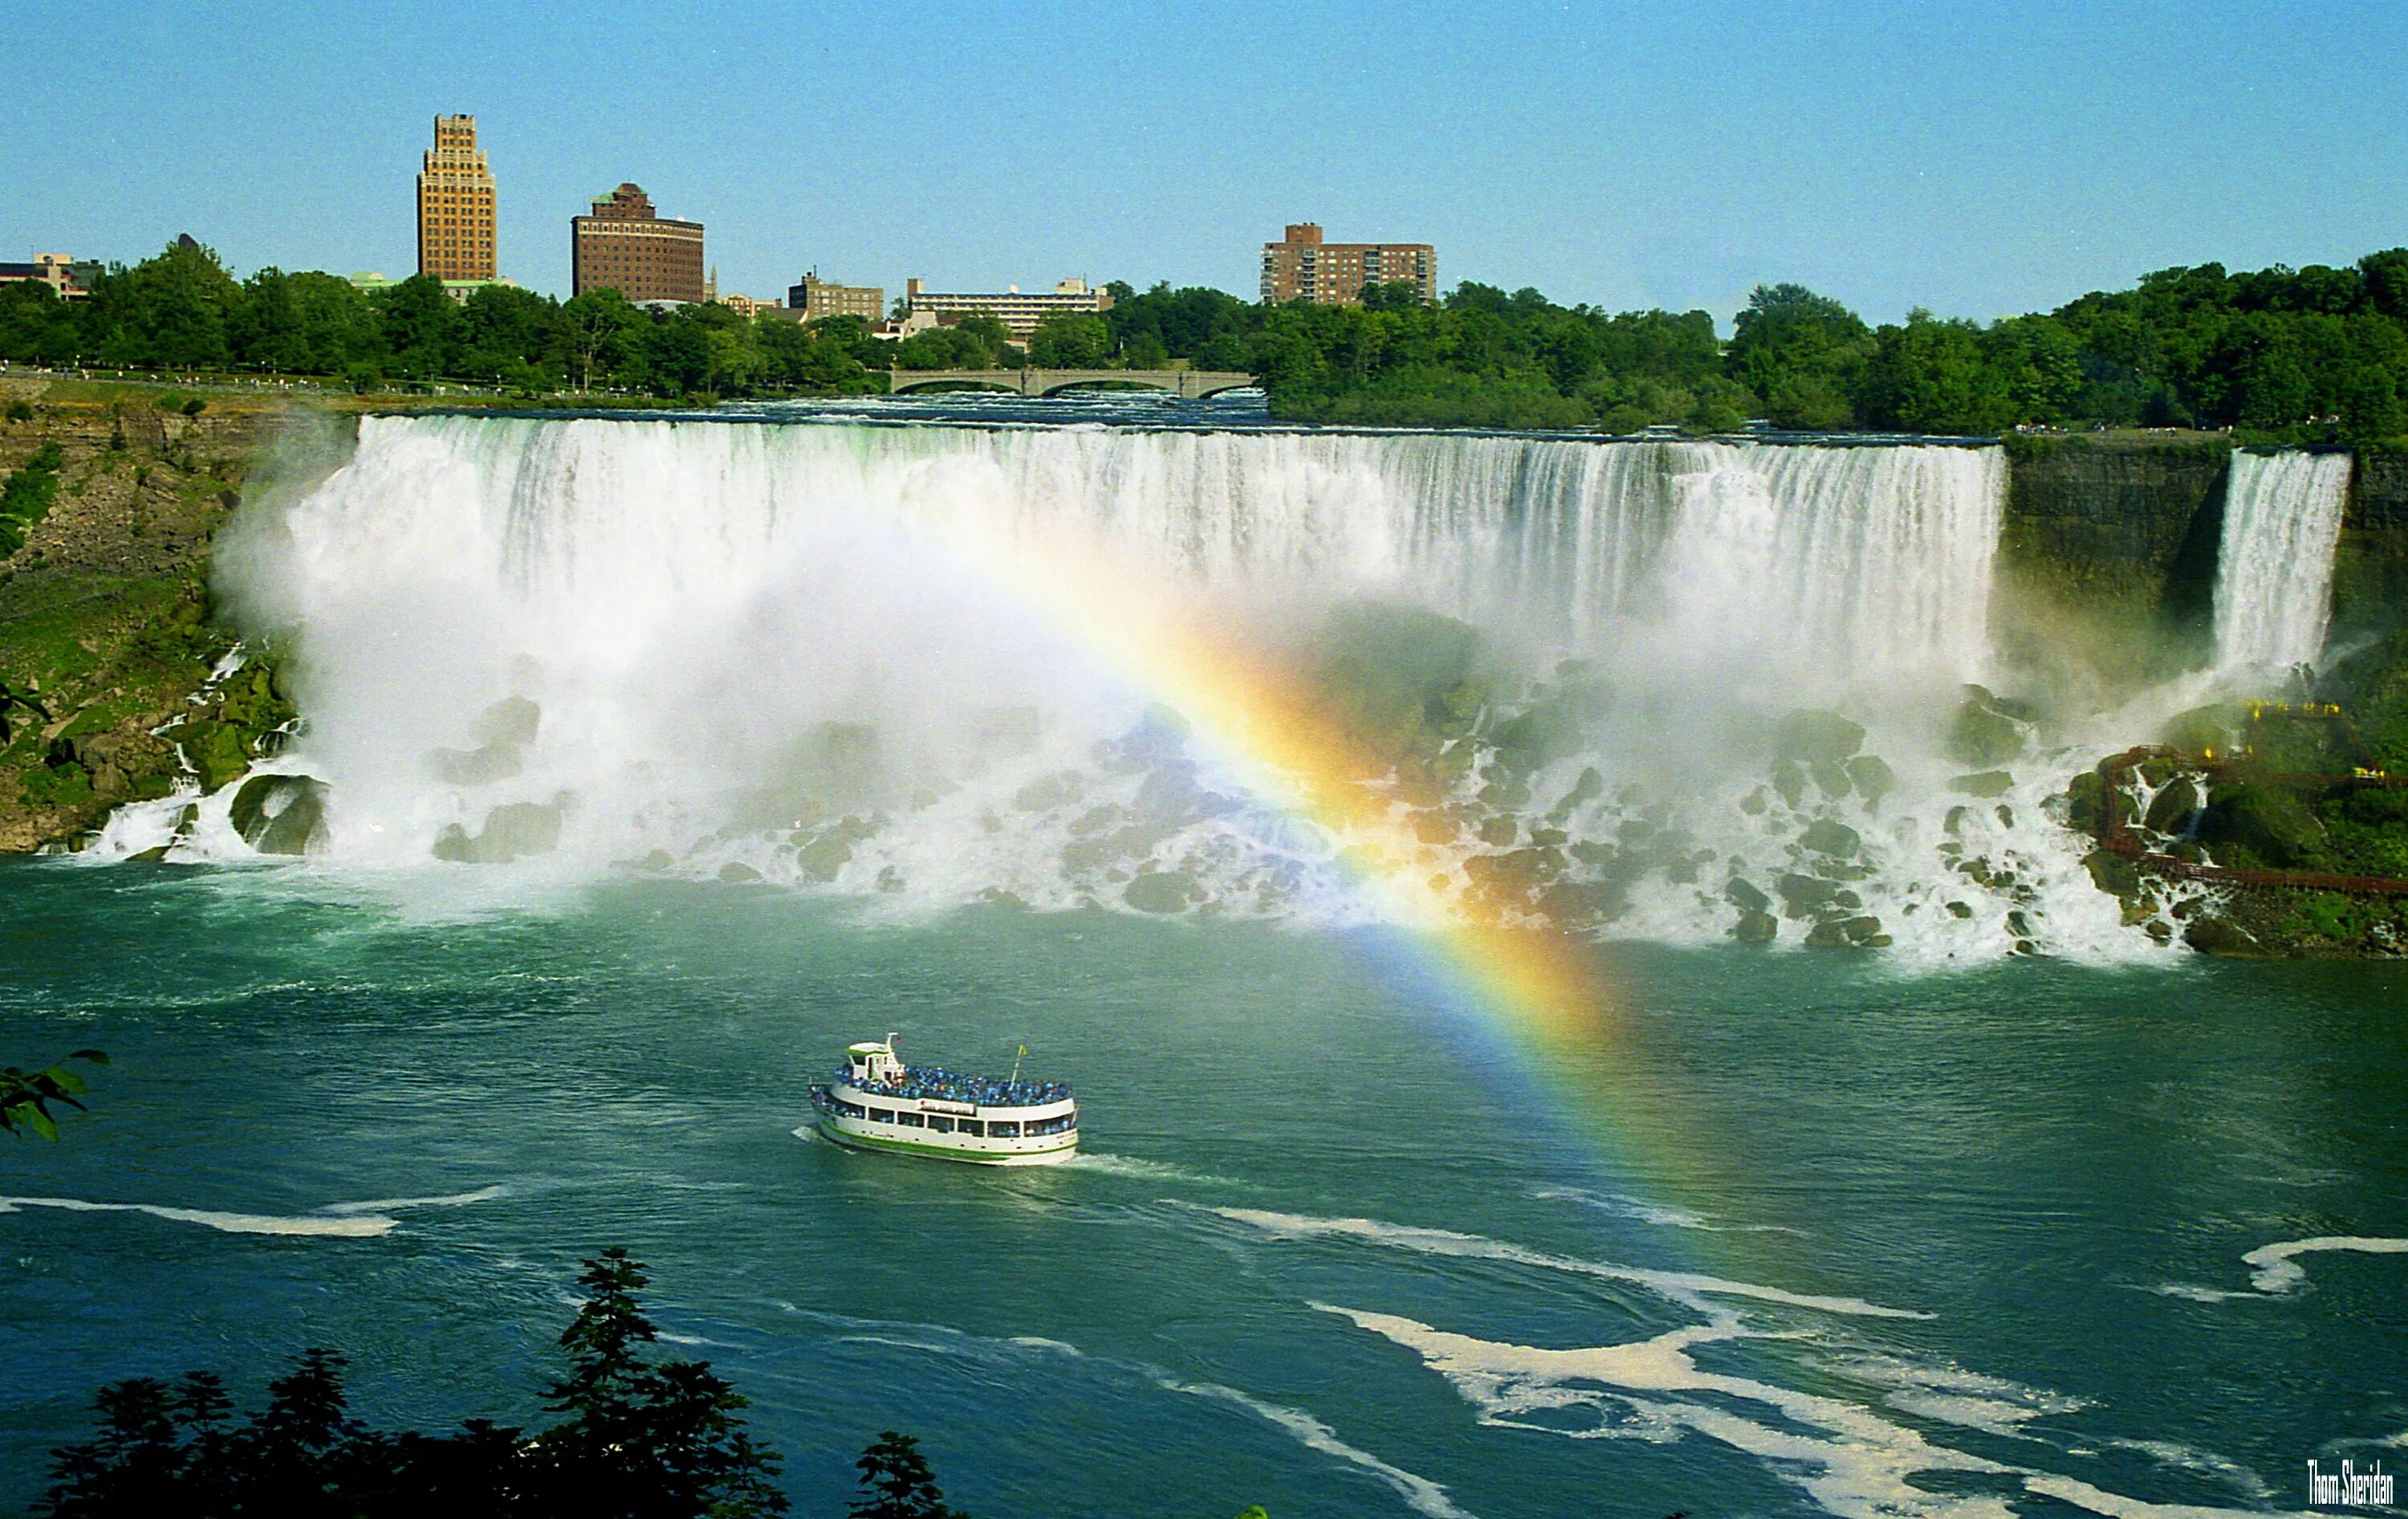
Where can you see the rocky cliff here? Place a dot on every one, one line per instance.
(109, 639)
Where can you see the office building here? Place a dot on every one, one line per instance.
(1019, 313)
(455, 206)
(816, 298)
(626, 246)
(1302, 268)
(68, 279)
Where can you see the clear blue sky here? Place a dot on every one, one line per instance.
(1977, 159)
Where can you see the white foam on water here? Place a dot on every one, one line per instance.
(1690, 1288)
(1620, 1205)
(2115, 1506)
(2191, 1458)
(1422, 1496)
(356, 1226)
(2276, 1268)
(449, 1199)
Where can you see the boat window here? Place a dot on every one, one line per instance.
(1003, 1129)
(911, 1121)
(941, 1123)
(972, 1126)
(849, 1110)
(882, 1115)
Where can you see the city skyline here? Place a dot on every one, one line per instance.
(1976, 164)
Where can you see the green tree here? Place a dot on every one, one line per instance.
(1070, 341)
(26, 1095)
(1801, 354)
(898, 1483)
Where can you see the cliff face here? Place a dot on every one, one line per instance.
(2371, 571)
(106, 632)
(2108, 553)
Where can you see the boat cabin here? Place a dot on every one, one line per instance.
(872, 1064)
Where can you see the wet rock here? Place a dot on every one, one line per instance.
(1981, 734)
(513, 723)
(1810, 736)
(1435, 827)
(280, 814)
(475, 767)
(1803, 894)
(1954, 824)
(2085, 801)
(2218, 936)
(736, 872)
(1588, 788)
(1585, 903)
(154, 855)
(1497, 831)
(997, 897)
(1160, 891)
(2213, 729)
(1833, 776)
(2112, 873)
(1984, 783)
(2270, 827)
(2171, 810)
(1756, 927)
(1746, 897)
(1755, 802)
(1046, 793)
(1858, 933)
(1960, 910)
(1872, 776)
(1790, 782)
(1826, 835)
(512, 831)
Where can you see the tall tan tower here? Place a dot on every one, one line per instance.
(455, 205)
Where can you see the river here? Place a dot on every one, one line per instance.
(1942, 1229)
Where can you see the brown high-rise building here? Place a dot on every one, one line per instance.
(455, 205)
(626, 246)
(1302, 268)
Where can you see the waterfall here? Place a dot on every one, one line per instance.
(797, 651)
(2274, 567)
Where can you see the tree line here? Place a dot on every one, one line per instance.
(2290, 354)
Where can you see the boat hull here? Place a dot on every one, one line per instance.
(832, 1129)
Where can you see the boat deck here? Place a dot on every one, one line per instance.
(939, 1084)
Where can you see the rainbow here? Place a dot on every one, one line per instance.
(1511, 981)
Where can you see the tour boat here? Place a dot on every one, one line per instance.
(877, 1102)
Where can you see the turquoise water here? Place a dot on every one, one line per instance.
(1325, 1239)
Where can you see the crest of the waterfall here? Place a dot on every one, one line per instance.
(2274, 566)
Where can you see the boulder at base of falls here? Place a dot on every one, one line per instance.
(2085, 801)
(513, 721)
(512, 831)
(1984, 783)
(2113, 874)
(280, 814)
(1745, 896)
(2214, 935)
(1756, 928)
(1803, 894)
(1861, 933)
(1826, 835)
(2258, 824)
(2171, 810)
(1982, 734)
(737, 873)
(1160, 891)
(1813, 737)
(1872, 776)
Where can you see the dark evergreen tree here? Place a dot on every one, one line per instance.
(896, 1483)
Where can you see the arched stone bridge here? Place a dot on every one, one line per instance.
(1187, 384)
